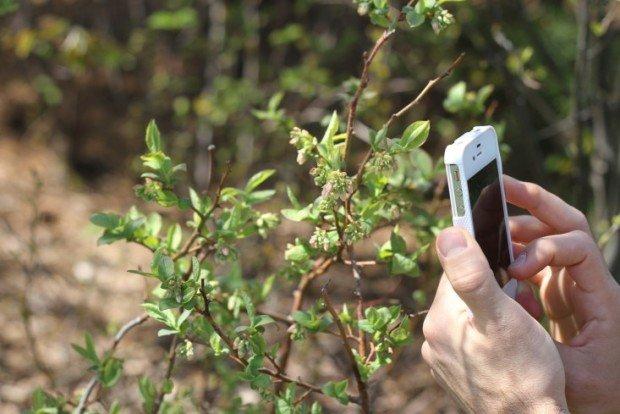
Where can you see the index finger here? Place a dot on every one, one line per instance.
(545, 206)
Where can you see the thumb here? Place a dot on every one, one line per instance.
(469, 273)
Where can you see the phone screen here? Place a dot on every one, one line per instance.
(487, 209)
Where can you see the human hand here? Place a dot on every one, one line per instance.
(579, 295)
(482, 346)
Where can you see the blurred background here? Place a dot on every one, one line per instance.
(79, 80)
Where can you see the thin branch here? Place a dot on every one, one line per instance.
(302, 397)
(431, 83)
(234, 355)
(357, 276)
(138, 320)
(171, 358)
(368, 58)
(204, 217)
(361, 385)
(320, 267)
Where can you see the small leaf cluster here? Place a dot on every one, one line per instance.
(389, 329)
(286, 404)
(429, 10)
(45, 403)
(394, 253)
(107, 367)
(337, 390)
(377, 11)
(313, 320)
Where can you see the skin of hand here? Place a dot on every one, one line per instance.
(578, 293)
(483, 347)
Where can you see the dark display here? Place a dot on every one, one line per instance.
(488, 214)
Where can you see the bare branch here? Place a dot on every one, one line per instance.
(431, 83)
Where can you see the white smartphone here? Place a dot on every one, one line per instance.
(474, 171)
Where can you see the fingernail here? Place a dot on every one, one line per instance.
(519, 261)
(451, 242)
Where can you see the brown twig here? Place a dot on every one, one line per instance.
(319, 268)
(361, 385)
(368, 58)
(234, 355)
(359, 311)
(302, 397)
(138, 320)
(429, 85)
(171, 358)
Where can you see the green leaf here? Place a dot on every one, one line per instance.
(397, 242)
(413, 17)
(153, 137)
(257, 179)
(217, 345)
(167, 332)
(296, 215)
(174, 237)
(168, 303)
(316, 408)
(266, 286)
(378, 138)
(337, 390)
(88, 352)
(327, 148)
(153, 224)
(148, 392)
(292, 198)
(196, 200)
(195, 275)
(115, 408)
(262, 320)
(261, 196)
(296, 253)
(110, 372)
(423, 6)
(165, 268)
(107, 221)
(402, 265)
(415, 135)
(455, 100)
(183, 317)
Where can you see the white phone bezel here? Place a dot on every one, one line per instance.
(471, 152)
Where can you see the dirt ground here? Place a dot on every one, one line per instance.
(55, 283)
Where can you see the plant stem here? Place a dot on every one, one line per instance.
(171, 358)
(361, 385)
(204, 217)
(234, 355)
(320, 267)
(368, 57)
(138, 320)
(429, 85)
